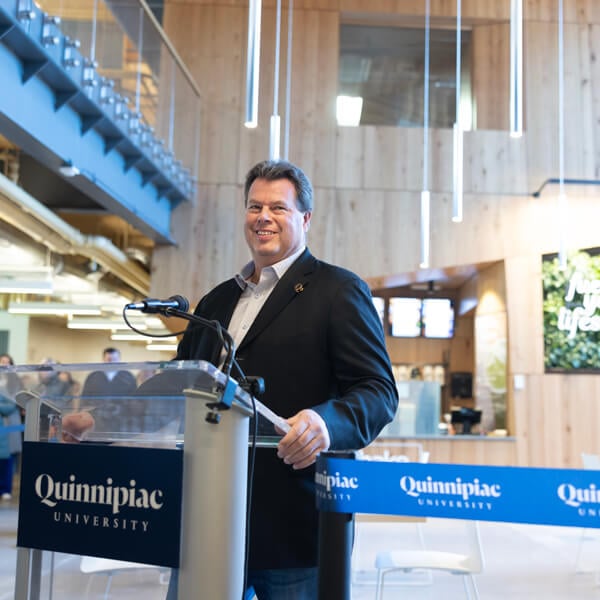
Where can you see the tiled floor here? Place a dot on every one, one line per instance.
(522, 562)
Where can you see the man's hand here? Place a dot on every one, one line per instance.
(76, 425)
(303, 442)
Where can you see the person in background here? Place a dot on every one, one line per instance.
(11, 444)
(310, 329)
(109, 382)
(52, 383)
(106, 393)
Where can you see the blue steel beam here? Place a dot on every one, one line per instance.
(56, 108)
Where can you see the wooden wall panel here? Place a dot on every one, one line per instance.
(369, 230)
(323, 235)
(462, 357)
(541, 115)
(471, 9)
(583, 11)
(394, 158)
(525, 322)
(594, 83)
(314, 89)
(441, 160)
(350, 157)
(495, 163)
(490, 54)
(580, 100)
(209, 39)
(557, 420)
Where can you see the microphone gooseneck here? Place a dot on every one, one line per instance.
(177, 306)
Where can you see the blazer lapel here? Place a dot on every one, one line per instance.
(293, 283)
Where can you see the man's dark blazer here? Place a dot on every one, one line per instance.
(318, 343)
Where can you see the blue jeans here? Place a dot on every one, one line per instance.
(271, 584)
(283, 584)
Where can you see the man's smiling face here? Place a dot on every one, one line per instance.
(274, 228)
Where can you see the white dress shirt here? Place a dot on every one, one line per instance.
(254, 295)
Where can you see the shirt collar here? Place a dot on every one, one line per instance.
(279, 269)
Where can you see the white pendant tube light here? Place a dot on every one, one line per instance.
(425, 196)
(563, 201)
(253, 63)
(94, 32)
(516, 68)
(288, 82)
(457, 172)
(275, 125)
(139, 66)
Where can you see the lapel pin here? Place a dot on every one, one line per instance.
(298, 288)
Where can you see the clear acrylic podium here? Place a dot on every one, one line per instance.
(167, 403)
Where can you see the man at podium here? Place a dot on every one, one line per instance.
(311, 331)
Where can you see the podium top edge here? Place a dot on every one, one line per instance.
(163, 365)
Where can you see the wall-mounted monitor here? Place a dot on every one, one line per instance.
(421, 317)
(437, 317)
(405, 317)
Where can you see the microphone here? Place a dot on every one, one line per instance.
(153, 305)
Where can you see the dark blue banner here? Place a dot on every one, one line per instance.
(513, 494)
(108, 501)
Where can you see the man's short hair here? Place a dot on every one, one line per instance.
(271, 170)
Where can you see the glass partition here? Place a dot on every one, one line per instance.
(140, 74)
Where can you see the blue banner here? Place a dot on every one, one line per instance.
(108, 501)
(513, 494)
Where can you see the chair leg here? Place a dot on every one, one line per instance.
(579, 551)
(470, 585)
(378, 590)
(107, 588)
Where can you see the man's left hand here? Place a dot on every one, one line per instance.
(308, 436)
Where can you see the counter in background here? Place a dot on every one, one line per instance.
(452, 449)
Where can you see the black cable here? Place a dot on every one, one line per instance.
(224, 336)
(152, 335)
(251, 459)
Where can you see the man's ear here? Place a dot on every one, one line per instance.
(306, 217)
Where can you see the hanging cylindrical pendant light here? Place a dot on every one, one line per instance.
(253, 63)
(457, 171)
(563, 201)
(516, 68)
(275, 125)
(425, 195)
(288, 81)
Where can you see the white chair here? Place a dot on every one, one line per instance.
(452, 562)
(92, 565)
(387, 452)
(370, 526)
